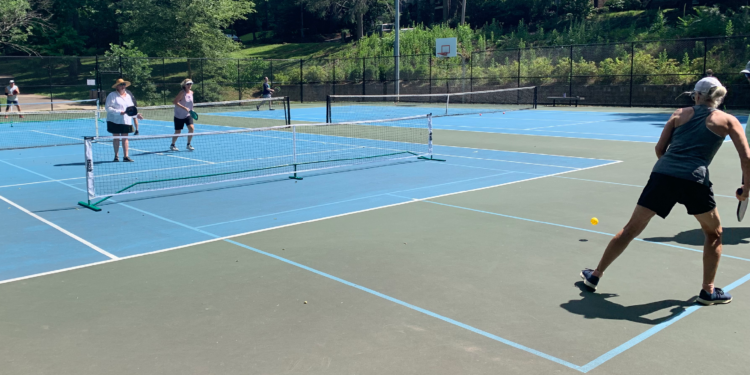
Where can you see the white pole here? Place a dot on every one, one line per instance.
(396, 49)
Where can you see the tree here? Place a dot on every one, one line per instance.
(352, 11)
(80, 27)
(18, 19)
(579, 9)
(134, 66)
(185, 28)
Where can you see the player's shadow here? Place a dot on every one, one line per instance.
(599, 306)
(732, 236)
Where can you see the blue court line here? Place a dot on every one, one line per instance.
(570, 227)
(651, 331)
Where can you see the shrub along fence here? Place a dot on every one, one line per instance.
(651, 73)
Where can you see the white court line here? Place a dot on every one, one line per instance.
(42, 182)
(630, 185)
(505, 161)
(551, 136)
(286, 225)
(162, 153)
(544, 135)
(58, 135)
(583, 123)
(53, 225)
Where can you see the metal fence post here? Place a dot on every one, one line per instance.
(632, 64)
(430, 74)
(163, 81)
(363, 76)
(518, 79)
(705, 55)
(49, 70)
(239, 83)
(334, 76)
(471, 72)
(570, 79)
(518, 83)
(203, 79)
(98, 79)
(301, 84)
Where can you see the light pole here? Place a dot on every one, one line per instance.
(396, 49)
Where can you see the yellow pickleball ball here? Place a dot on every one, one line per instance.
(594, 221)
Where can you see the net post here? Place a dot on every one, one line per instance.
(535, 95)
(328, 109)
(288, 111)
(294, 153)
(89, 164)
(429, 141)
(447, 101)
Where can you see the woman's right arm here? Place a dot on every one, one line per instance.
(177, 99)
(666, 134)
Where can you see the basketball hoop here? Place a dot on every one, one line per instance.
(445, 50)
(445, 47)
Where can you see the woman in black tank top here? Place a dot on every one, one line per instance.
(686, 147)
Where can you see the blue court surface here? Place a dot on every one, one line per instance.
(49, 182)
(611, 126)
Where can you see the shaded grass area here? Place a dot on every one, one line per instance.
(289, 50)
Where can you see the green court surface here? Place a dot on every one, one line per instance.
(478, 282)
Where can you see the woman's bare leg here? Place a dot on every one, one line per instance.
(634, 227)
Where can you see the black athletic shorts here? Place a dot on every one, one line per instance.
(662, 192)
(180, 123)
(118, 128)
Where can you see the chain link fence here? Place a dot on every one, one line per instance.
(652, 74)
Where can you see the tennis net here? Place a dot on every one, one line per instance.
(250, 153)
(249, 113)
(363, 107)
(46, 128)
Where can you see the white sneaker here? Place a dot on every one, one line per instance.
(174, 148)
(190, 147)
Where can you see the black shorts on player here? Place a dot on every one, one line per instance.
(179, 124)
(662, 192)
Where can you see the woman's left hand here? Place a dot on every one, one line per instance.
(139, 116)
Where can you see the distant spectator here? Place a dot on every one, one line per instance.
(266, 94)
(709, 73)
(746, 71)
(12, 97)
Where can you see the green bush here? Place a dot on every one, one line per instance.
(315, 74)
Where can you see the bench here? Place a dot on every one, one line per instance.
(568, 98)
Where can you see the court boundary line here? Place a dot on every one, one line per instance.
(60, 229)
(541, 135)
(621, 184)
(427, 200)
(505, 161)
(584, 123)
